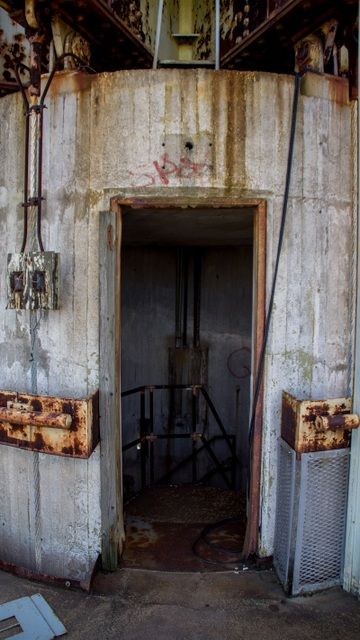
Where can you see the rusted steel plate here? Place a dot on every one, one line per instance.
(77, 441)
(298, 426)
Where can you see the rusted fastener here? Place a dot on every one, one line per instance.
(339, 421)
(196, 436)
(151, 437)
(195, 388)
(25, 418)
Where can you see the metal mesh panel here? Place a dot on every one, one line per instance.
(310, 518)
(321, 520)
(284, 510)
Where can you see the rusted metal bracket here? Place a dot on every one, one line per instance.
(151, 437)
(196, 436)
(316, 425)
(59, 426)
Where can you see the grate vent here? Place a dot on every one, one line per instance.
(310, 519)
(322, 516)
(284, 513)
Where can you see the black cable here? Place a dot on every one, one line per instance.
(260, 370)
(203, 538)
(27, 111)
(26, 158)
(217, 525)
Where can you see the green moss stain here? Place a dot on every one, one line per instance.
(303, 361)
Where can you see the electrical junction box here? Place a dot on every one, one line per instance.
(33, 280)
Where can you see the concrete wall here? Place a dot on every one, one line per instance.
(108, 136)
(49, 509)
(352, 547)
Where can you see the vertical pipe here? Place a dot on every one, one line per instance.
(185, 278)
(194, 402)
(143, 441)
(33, 175)
(26, 158)
(178, 299)
(26, 182)
(34, 320)
(152, 470)
(181, 303)
(217, 34)
(158, 33)
(39, 176)
(197, 298)
(233, 464)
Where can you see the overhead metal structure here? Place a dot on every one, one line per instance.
(233, 34)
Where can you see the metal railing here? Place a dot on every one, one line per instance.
(147, 436)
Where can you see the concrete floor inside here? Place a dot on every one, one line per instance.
(184, 528)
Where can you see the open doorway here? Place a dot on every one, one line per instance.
(187, 342)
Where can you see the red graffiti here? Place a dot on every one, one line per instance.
(184, 169)
(165, 169)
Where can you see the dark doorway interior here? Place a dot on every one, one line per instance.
(186, 373)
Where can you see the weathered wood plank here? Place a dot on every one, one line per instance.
(110, 437)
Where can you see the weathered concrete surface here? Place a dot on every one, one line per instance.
(140, 605)
(112, 135)
(50, 519)
(352, 548)
(50, 511)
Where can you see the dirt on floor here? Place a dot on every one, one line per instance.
(184, 528)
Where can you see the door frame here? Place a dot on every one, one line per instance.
(110, 234)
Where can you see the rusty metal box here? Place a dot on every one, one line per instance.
(298, 427)
(50, 424)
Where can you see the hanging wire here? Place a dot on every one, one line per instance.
(260, 369)
(34, 128)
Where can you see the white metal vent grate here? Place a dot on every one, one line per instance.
(322, 516)
(310, 519)
(284, 513)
